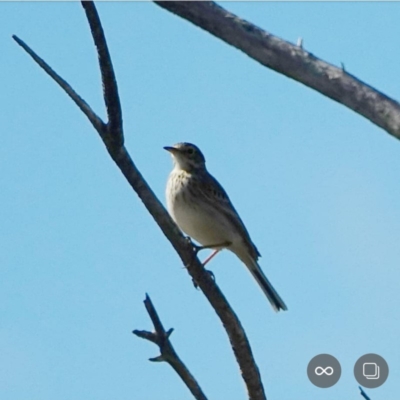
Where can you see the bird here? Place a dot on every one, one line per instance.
(201, 208)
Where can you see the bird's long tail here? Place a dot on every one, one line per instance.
(266, 286)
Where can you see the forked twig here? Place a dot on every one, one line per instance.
(167, 353)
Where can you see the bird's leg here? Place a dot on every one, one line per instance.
(215, 252)
(210, 257)
(210, 246)
(196, 250)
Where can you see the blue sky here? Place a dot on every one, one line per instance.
(316, 184)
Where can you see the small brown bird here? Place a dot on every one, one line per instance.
(201, 208)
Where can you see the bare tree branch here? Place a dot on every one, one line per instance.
(112, 136)
(96, 121)
(167, 353)
(110, 87)
(292, 61)
(363, 394)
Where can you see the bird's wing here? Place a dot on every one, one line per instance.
(214, 194)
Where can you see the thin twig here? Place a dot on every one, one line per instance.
(96, 121)
(167, 353)
(113, 139)
(363, 394)
(292, 61)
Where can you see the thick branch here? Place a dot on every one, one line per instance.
(113, 139)
(167, 353)
(292, 61)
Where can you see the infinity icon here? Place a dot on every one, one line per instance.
(324, 371)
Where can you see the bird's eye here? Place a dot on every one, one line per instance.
(190, 151)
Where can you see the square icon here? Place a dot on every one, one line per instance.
(371, 370)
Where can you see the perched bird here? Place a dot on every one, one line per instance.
(201, 208)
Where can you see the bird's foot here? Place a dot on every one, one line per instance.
(196, 249)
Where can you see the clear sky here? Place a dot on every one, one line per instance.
(316, 184)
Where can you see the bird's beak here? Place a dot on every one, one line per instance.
(171, 149)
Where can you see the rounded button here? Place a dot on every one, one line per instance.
(324, 370)
(371, 371)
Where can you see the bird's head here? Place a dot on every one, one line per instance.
(187, 156)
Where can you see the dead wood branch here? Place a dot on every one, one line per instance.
(291, 60)
(167, 352)
(112, 135)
